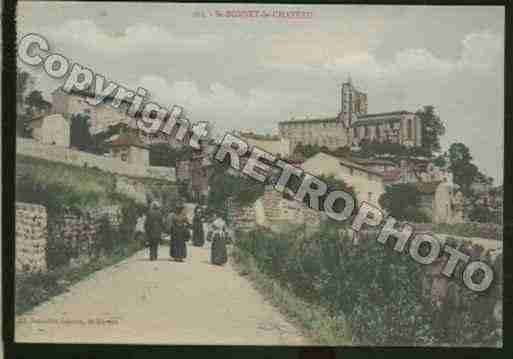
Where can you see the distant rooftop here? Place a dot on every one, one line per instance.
(256, 136)
(311, 120)
(361, 119)
(126, 139)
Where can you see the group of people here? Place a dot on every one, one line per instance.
(177, 226)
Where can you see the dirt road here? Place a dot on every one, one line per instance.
(162, 302)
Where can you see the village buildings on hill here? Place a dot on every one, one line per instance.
(369, 176)
(353, 125)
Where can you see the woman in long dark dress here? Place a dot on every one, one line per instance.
(198, 235)
(218, 253)
(179, 235)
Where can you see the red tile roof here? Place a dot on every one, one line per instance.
(127, 140)
(391, 175)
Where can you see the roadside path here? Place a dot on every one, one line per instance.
(162, 302)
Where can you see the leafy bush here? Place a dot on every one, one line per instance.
(376, 289)
(58, 252)
(470, 229)
(484, 215)
(243, 190)
(402, 202)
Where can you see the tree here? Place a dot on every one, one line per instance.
(308, 150)
(24, 82)
(483, 214)
(460, 163)
(372, 148)
(432, 129)
(335, 184)
(440, 161)
(80, 136)
(36, 103)
(161, 154)
(402, 202)
(242, 190)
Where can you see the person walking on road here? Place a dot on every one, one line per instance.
(218, 252)
(179, 235)
(198, 234)
(154, 228)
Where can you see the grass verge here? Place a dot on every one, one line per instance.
(314, 321)
(35, 288)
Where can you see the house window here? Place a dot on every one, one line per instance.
(366, 130)
(378, 134)
(355, 132)
(351, 171)
(369, 195)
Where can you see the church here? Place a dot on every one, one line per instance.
(354, 125)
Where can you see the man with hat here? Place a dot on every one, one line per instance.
(154, 227)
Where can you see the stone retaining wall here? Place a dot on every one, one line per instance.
(31, 237)
(274, 212)
(35, 232)
(30, 147)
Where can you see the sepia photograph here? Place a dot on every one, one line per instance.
(259, 174)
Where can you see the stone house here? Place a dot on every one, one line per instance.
(367, 183)
(274, 212)
(200, 167)
(440, 202)
(275, 145)
(130, 149)
(101, 116)
(195, 173)
(51, 130)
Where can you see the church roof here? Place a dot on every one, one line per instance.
(371, 119)
(311, 120)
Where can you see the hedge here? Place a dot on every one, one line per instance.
(377, 290)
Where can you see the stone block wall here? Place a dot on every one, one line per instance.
(79, 230)
(279, 210)
(277, 213)
(31, 237)
(241, 218)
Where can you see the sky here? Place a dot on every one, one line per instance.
(251, 73)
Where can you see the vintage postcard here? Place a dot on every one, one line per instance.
(250, 174)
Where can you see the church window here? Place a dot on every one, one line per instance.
(366, 130)
(410, 128)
